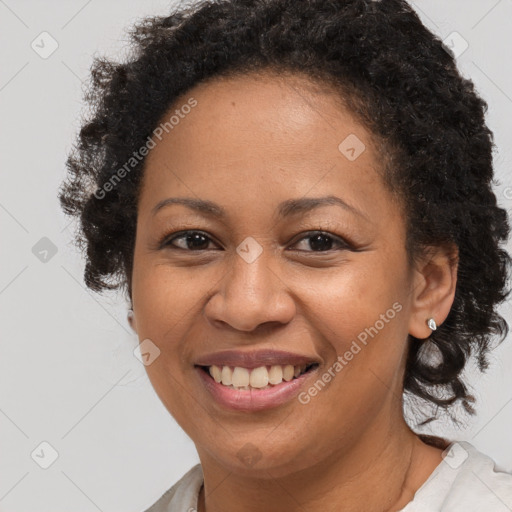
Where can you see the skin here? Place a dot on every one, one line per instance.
(252, 142)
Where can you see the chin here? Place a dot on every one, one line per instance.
(266, 461)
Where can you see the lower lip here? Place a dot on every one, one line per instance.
(254, 399)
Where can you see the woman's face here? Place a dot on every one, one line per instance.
(258, 288)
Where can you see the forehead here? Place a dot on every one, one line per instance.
(265, 139)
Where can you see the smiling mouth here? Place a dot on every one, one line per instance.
(263, 377)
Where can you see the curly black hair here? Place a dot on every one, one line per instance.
(396, 77)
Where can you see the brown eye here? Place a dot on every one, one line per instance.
(320, 241)
(189, 241)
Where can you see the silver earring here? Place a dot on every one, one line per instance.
(432, 324)
(129, 315)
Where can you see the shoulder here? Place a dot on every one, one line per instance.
(182, 496)
(465, 481)
(479, 484)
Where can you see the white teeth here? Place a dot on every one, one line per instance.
(226, 376)
(275, 375)
(216, 373)
(262, 377)
(259, 377)
(288, 372)
(240, 377)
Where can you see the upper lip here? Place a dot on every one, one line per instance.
(254, 359)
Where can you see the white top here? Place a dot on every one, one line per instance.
(465, 481)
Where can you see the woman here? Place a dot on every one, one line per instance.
(296, 197)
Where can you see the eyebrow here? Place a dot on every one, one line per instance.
(285, 209)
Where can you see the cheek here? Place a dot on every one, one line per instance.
(343, 303)
(360, 316)
(163, 297)
(351, 300)
(164, 300)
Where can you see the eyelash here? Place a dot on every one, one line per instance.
(167, 242)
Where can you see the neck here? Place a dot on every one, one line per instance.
(380, 472)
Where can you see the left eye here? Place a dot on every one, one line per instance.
(319, 241)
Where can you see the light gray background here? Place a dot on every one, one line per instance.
(67, 372)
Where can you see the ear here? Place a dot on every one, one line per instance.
(434, 283)
(131, 320)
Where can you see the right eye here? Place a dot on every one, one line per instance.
(192, 241)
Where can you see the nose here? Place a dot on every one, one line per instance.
(251, 295)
